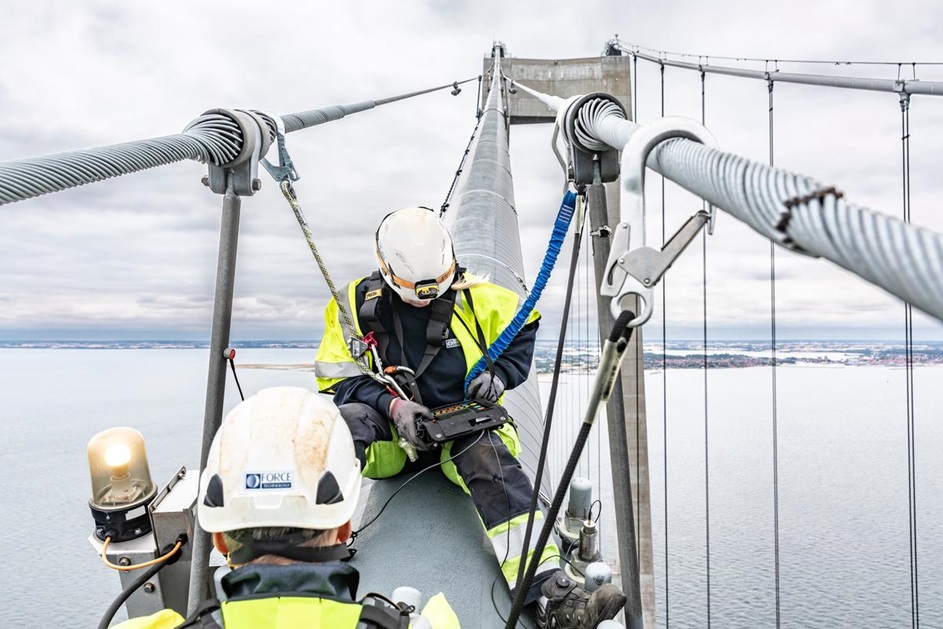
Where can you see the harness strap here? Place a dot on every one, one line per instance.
(371, 291)
(482, 342)
(206, 616)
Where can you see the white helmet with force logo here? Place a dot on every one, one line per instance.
(415, 254)
(282, 458)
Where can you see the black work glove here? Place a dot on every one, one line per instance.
(405, 414)
(485, 387)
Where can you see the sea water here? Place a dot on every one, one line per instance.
(842, 455)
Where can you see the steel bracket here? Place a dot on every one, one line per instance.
(582, 158)
(633, 268)
(245, 167)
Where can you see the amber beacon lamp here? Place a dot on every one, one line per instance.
(121, 484)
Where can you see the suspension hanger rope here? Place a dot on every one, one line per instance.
(664, 377)
(707, 466)
(909, 377)
(775, 388)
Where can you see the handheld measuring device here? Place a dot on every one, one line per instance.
(461, 419)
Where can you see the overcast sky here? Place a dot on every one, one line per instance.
(135, 257)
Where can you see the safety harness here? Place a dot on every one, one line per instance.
(368, 302)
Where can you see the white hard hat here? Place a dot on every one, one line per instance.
(282, 458)
(415, 254)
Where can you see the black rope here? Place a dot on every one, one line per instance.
(772, 298)
(551, 402)
(909, 353)
(664, 373)
(232, 365)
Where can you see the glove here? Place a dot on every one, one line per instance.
(485, 387)
(405, 414)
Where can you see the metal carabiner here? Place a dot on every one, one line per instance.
(285, 171)
(635, 270)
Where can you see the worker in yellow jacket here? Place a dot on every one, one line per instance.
(278, 492)
(436, 321)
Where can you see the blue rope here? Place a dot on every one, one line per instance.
(560, 227)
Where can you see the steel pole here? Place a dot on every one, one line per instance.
(216, 379)
(615, 417)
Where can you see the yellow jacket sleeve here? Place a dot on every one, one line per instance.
(440, 614)
(333, 362)
(164, 619)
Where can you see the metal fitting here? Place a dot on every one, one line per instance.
(584, 149)
(244, 167)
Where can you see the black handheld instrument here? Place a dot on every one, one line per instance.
(461, 419)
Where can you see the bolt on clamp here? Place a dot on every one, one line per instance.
(635, 269)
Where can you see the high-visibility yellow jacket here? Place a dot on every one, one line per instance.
(297, 612)
(264, 603)
(494, 307)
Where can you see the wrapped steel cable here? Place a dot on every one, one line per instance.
(792, 210)
(213, 138)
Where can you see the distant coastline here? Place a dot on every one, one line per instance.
(582, 357)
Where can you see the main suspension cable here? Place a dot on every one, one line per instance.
(631, 48)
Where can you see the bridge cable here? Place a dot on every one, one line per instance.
(664, 371)
(775, 405)
(213, 138)
(551, 401)
(458, 171)
(909, 353)
(633, 48)
(707, 467)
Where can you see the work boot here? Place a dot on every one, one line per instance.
(569, 606)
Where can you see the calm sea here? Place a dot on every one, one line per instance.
(843, 502)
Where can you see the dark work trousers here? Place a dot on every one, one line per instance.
(498, 485)
(499, 488)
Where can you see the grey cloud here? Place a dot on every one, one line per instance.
(140, 252)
